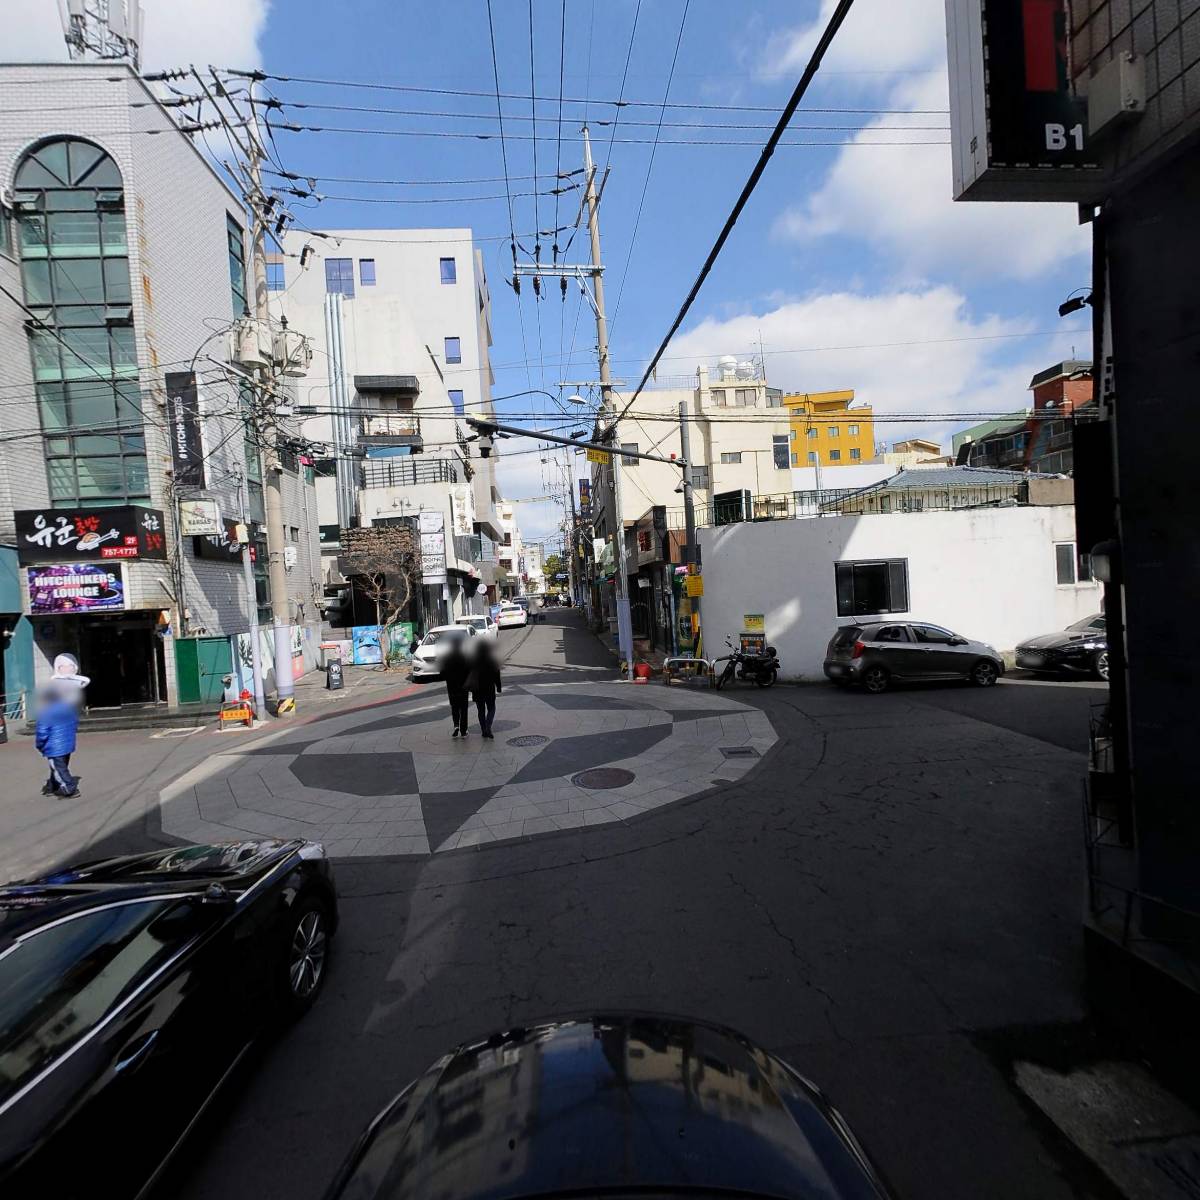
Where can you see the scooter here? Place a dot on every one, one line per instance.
(762, 669)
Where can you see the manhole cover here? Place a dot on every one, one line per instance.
(739, 751)
(602, 778)
(528, 739)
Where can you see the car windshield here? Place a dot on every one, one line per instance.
(444, 636)
(1088, 624)
(474, 622)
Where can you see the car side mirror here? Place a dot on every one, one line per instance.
(958, 641)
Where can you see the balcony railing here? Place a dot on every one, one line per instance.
(407, 472)
(394, 429)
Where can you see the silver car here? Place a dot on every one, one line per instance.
(874, 654)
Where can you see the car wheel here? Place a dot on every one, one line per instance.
(306, 957)
(984, 673)
(1100, 665)
(876, 680)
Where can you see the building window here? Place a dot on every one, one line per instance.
(835, 456)
(774, 398)
(852, 430)
(275, 281)
(795, 459)
(834, 431)
(366, 272)
(864, 588)
(855, 453)
(237, 266)
(627, 448)
(700, 477)
(293, 533)
(339, 276)
(729, 457)
(456, 399)
(449, 270)
(1071, 567)
(793, 435)
(718, 396)
(746, 398)
(453, 350)
(75, 272)
(812, 456)
(779, 451)
(6, 232)
(812, 434)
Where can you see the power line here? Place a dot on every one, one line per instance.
(637, 12)
(810, 71)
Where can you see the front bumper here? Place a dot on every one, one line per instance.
(1052, 660)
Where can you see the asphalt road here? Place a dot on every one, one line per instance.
(893, 889)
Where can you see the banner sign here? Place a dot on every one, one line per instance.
(83, 587)
(88, 534)
(183, 420)
(599, 456)
(433, 547)
(199, 518)
(368, 650)
(222, 546)
(585, 499)
(462, 509)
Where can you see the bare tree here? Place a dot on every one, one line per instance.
(386, 559)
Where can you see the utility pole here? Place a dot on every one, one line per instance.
(691, 551)
(260, 699)
(621, 581)
(272, 483)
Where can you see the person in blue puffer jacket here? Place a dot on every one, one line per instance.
(57, 724)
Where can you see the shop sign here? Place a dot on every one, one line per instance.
(83, 587)
(694, 586)
(585, 499)
(199, 518)
(433, 547)
(599, 456)
(183, 420)
(222, 546)
(89, 534)
(754, 623)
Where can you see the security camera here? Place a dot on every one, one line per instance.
(485, 445)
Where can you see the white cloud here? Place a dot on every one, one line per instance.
(521, 474)
(959, 364)
(900, 201)
(878, 38)
(176, 32)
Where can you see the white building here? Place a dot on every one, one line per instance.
(534, 574)
(508, 551)
(404, 318)
(124, 253)
(999, 575)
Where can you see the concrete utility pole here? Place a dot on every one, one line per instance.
(260, 699)
(621, 580)
(281, 623)
(691, 551)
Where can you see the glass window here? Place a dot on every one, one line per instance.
(779, 451)
(746, 398)
(793, 435)
(339, 276)
(700, 477)
(237, 266)
(812, 433)
(366, 272)
(933, 634)
(7, 224)
(453, 350)
(626, 448)
(795, 459)
(834, 431)
(731, 456)
(1064, 562)
(275, 280)
(871, 587)
(852, 430)
(449, 271)
(718, 396)
(812, 456)
(57, 985)
(456, 400)
(855, 453)
(891, 633)
(835, 456)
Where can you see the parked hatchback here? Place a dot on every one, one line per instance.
(874, 654)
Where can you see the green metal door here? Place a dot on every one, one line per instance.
(200, 665)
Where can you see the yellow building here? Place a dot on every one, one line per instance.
(825, 429)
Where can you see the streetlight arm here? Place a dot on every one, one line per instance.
(487, 427)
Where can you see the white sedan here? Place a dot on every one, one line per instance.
(483, 626)
(512, 616)
(426, 659)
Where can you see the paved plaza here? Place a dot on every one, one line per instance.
(392, 780)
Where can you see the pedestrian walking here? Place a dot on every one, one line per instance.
(57, 723)
(455, 669)
(67, 677)
(484, 685)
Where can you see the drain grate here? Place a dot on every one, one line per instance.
(528, 739)
(739, 751)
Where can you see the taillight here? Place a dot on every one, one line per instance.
(857, 652)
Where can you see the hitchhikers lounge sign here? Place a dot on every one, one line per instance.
(90, 534)
(81, 588)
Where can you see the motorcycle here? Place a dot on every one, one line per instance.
(762, 669)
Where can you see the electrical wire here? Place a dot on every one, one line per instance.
(637, 12)
(810, 71)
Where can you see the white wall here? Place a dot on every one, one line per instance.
(804, 479)
(988, 574)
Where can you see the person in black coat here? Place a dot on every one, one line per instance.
(455, 669)
(484, 684)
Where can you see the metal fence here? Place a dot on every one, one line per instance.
(407, 471)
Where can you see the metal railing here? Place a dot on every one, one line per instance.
(393, 425)
(406, 471)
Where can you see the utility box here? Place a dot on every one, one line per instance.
(1116, 93)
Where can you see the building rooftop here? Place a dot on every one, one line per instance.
(1070, 366)
(949, 477)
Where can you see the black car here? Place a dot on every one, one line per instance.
(874, 654)
(1080, 649)
(129, 990)
(610, 1105)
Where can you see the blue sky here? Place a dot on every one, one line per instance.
(841, 246)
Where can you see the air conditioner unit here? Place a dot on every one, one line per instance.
(292, 353)
(249, 346)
